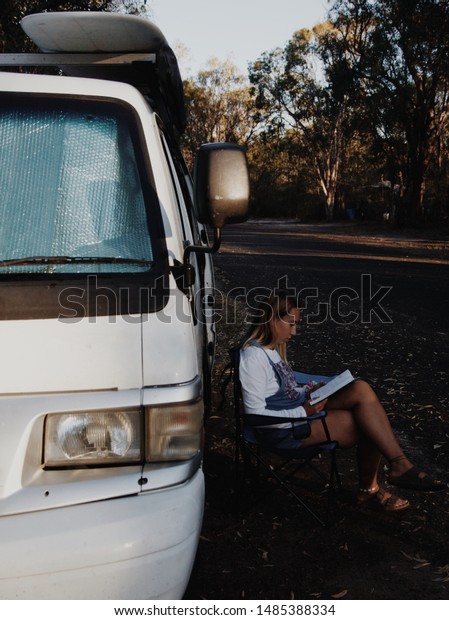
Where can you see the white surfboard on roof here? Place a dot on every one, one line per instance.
(87, 32)
(92, 32)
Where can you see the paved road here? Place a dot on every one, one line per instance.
(405, 277)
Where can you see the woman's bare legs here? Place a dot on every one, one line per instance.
(356, 417)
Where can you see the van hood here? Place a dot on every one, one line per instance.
(52, 355)
(98, 353)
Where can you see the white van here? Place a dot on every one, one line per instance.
(105, 326)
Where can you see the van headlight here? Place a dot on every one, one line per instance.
(116, 437)
(93, 438)
(174, 432)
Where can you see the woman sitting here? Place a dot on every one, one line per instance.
(355, 416)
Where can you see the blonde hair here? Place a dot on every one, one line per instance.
(275, 306)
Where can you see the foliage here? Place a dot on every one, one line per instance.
(304, 90)
(363, 99)
(405, 46)
(352, 114)
(219, 108)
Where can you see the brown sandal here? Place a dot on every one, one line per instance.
(381, 500)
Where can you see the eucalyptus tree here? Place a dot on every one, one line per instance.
(299, 92)
(406, 67)
(219, 107)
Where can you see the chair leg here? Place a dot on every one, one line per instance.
(251, 460)
(242, 462)
(239, 457)
(334, 485)
(289, 489)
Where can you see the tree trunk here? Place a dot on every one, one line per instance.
(418, 161)
(330, 203)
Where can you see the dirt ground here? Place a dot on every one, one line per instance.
(269, 548)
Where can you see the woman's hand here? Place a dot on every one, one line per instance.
(318, 385)
(316, 408)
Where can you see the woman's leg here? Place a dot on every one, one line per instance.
(356, 417)
(371, 422)
(343, 429)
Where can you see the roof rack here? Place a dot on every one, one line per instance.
(70, 40)
(66, 59)
(154, 74)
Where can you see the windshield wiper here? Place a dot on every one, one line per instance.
(64, 260)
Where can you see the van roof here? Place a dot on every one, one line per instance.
(109, 46)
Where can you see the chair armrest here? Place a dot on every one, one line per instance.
(316, 416)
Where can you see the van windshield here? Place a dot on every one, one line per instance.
(71, 197)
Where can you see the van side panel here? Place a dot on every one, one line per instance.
(169, 352)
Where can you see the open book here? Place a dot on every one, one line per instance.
(331, 387)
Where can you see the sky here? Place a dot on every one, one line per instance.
(239, 30)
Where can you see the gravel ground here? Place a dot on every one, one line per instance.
(271, 549)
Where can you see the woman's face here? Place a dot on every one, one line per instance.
(285, 327)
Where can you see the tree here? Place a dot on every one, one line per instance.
(438, 175)
(406, 51)
(219, 107)
(305, 88)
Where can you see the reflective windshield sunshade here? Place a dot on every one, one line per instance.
(70, 187)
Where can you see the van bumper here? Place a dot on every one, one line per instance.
(137, 547)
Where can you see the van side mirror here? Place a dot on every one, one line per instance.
(221, 183)
(221, 195)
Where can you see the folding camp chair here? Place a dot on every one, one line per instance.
(282, 465)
